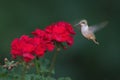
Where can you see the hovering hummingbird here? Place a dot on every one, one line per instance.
(88, 31)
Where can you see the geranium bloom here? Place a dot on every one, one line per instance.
(44, 38)
(22, 47)
(61, 32)
(39, 46)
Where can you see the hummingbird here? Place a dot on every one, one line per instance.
(89, 31)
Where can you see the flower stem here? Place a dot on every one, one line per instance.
(53, 62)
(24, 71)
(37, 65)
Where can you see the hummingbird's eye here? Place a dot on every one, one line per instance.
(83, 22)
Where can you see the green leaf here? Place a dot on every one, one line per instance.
(45, 64)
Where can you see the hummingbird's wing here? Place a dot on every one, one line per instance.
(97, 27)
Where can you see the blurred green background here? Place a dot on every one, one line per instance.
(84, 60)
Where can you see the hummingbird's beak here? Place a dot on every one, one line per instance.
(76, 25)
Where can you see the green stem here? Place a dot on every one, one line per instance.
(37, 65)
(53, 62)
(24, 71)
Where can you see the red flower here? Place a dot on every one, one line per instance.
(61, 32)
(44, 38)
(22, 47)
(28, 57)
(39, 46)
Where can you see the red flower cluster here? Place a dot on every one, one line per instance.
(42, 40)
(22, 47)
(61, 32)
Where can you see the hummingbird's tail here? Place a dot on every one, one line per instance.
(95, 41)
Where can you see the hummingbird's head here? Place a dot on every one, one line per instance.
(83, 22)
